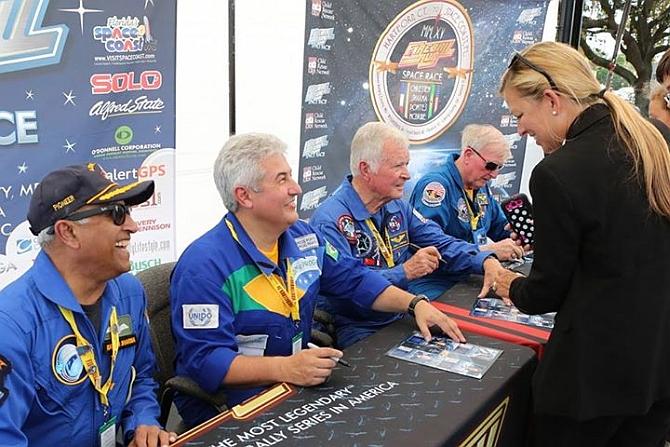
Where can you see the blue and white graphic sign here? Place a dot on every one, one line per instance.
(87, 80)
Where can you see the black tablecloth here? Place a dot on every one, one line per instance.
(384, 401)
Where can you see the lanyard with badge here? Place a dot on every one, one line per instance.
(288, 293)
(383, 247)
(85, 351)
(470, 205)
(478, 235)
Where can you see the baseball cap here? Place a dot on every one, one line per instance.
(65, 190)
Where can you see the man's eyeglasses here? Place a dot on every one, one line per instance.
(489, 165)
(117, 211)
(532, 66)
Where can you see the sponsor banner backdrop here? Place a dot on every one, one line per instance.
(427, 67)
(80, 81)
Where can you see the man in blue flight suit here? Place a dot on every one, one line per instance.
(243, 294)
(458, 197)
(75, 349)
(365, 217)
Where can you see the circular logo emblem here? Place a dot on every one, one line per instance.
(363, 244)
(123, 135)
(345, 223)
(433, 194)
(394, 224)
(421, 69)
(66, 364)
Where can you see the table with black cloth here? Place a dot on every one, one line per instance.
(385, 401)
(457, 302)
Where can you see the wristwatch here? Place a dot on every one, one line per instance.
(415, 301)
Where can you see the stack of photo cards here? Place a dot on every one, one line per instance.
(496, 309)
(443, 353)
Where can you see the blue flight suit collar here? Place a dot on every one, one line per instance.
(358, 210)
(453, 170)
(287, 247)
(52, 285)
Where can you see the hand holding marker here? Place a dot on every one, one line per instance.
(334, 359)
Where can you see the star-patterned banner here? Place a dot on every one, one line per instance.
(80, 81)
(428, 67)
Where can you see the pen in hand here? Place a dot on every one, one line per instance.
(416, 247)
(335, 359)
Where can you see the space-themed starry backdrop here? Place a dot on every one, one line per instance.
(87, 81)
(345, 45)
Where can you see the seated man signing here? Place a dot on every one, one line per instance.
(365, 217)
(243, 294)
(459, 199)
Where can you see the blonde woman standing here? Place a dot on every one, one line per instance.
(602, 255)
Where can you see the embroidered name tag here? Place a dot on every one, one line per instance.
(307, 241)
(124, 342)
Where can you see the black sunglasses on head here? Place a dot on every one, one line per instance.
(518, 57)
(117, 211)
(489, 166)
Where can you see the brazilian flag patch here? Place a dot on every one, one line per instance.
(332, 251)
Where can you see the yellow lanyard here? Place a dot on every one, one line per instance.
(290, 296)
(87, 356)
(474, 219)
(383, 248)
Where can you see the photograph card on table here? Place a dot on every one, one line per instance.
(496, 309)
(443, 353)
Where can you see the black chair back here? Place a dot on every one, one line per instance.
(156, 282)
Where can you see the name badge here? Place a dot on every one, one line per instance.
(252, 345)
(107, 432)
(297, 343)
(479, 237)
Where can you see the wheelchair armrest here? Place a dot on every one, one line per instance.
(323, 317)
(322, 339)
(187, 386)
(323, 329)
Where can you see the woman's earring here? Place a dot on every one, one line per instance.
(553, 112)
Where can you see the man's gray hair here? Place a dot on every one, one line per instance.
(368, 143)
(46, 237)
(478, 136)
(238, 163)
